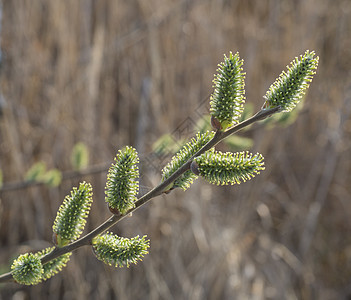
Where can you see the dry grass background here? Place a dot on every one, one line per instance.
(115, 73)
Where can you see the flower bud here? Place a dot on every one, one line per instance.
(194, 167)
(216, 124)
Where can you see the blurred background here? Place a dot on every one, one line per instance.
(115, 73)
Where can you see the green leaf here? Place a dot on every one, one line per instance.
(227, 100)
(71, 216)
(36, 172)
(27, 269)
(289, 88)
(122, 185)
(80, 156)
(236, 143)
(182, 156)
(52, 178)
(247, 113)
(203, 124)
(165, 145)
(118, 251)
(1, 179)
(227, 168)
(283, 119)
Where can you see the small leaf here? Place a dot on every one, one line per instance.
(122, 185)
(80, 156)
(118, 251)
(290, 86)
(36, 172)
(182, 156)
(228, 168)
(1, 179)
(165, 145)
(227, 100)
(27, 269)
(283, 119)
(236, 143)
(247, 113)
(52, 178)
(203, 124)
(71, 216)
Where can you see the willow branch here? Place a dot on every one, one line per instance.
(156, 191)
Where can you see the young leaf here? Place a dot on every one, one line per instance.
(54, 266)
(227, 168)
(36, 172)
(118, 251)
(203, 124)
(79, 156)
(71, 216)
(27, 269)
(52, 177)
(182, 156)
(122, 185)
(227, 100)
(236, 143)
(290, 86)
(166, 145)
(283, 119)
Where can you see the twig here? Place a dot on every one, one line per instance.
(156, 191)
(95, 169)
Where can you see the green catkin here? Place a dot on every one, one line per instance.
(54, 266)
(182, 156)
(227, 100)
(228, 168)
(291, 85)
(122, 185)
(27, 269)
(118, 251)
(71, 216)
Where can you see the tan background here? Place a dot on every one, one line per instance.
(115, 73)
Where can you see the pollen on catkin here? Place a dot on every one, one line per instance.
(228, 98)
(291, 85)
(27, 269)
(182, 156)
(228, 168)
(118, 251)
(54, 266)
(72, 214)
(122, 183)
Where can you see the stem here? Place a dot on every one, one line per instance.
(91, 170)
(156, 191)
